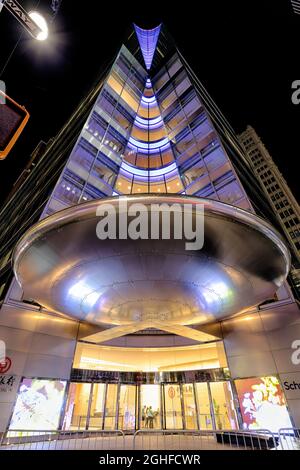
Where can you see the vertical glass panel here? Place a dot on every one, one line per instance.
(150, 410)
(168, 100)
(111, 406)
(214, 159)
(162, 79)
(127, 407)
(115, 83)
(140, 187)
(174, 65)
(122, 117)
(230, 193)
(123, 184)
(157, 186)
(189, 406)
(130, 98)
(173, 410)
(198, 185)
(68, 192)
(222, 399)
(174, 185)
(203, 402)
(97, 407)
(102, 171)
(77, 406)
(196, 171)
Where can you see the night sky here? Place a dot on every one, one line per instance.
(247, 54)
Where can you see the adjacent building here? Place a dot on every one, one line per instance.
(278, 193)
(281, 199)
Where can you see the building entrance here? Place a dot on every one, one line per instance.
(204, 405)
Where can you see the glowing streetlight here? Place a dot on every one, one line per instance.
(42, 24)
(33, 22)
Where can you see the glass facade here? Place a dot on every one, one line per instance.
(147, 133)
(111, 406)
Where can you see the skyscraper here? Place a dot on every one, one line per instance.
(279, 195)
(275, 187)
(118, 328)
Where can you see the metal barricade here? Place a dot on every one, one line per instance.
(146, 439)
(261, 439)
(289, 438)
(63, 440)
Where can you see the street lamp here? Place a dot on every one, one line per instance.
(42, 24)
(34, 23)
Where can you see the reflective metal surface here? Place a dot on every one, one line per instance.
(61, 264)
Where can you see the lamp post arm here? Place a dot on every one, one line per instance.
(22, 16)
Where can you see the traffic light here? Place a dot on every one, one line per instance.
(13, 119)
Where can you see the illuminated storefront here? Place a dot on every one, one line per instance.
(189, 394)
(131, 406)
(171, 400)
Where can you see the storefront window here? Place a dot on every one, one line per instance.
(97, 407)
(111, 406)
(173, 409)
(127, 407)
(190, 413)
(186, 406)
(150, 407)
(222, 400)
(77, 406)
(203, 402)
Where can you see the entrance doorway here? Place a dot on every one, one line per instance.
(111, 406)
(173, 407)
(150, 407)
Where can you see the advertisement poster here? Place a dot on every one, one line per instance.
(38, 405)
(262, 403)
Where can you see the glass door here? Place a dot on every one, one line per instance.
(223, 404)
(97, 407)
(127, 407)
(173, 408)
(77, 406)
(203, 406)
(189, 404)
(111, 406)
(150, 406)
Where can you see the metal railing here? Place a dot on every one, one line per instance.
(261, 439)
(289, 438)
(63, 440)
(152, 439)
